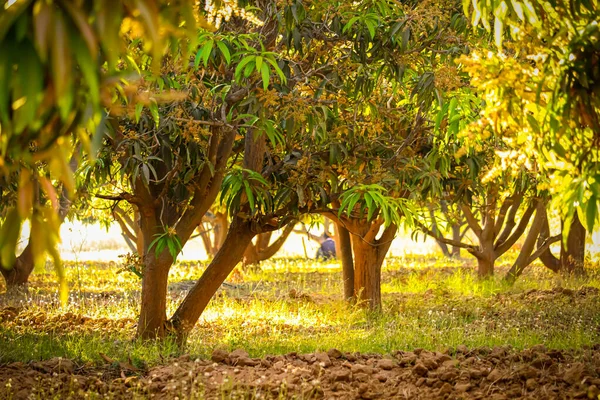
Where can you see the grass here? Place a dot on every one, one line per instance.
(295, 305)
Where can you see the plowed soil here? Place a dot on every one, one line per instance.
(461, 373)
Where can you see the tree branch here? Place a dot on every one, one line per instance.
(501, 248)
(119, 197)
(510, 223)
(471, 220)
(502, 215)
(544, 246)
(442, 239)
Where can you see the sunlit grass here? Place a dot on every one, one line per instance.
(296, 305)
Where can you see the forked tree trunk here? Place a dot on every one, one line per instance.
(547, 258)
(572, 253)
(368, 259)
(239, 236)
(344, 251)
(263, 250)
(16, 278)
(485, 260)
(218, 226)
(524, 258)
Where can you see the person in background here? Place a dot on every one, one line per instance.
(327, 249)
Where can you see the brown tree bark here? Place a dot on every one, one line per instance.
(524, 258)
(344, 251)
(572, 252)
(457, 235)
(485, 260)
(217, 224)
(17, 276)
(156, 213)
(153, 311)
(495, 227)
(369, 254)
(263, 250)
(547, 258)
(239, 236)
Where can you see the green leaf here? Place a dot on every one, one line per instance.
(349, 24)
(5, 74)
(61, 63)
(30, 87)
(591, 213)
(89, 70)
(370, 205)
(249, 195)
(225, 51)
(355, 198)
(259, 62)
(155, 241)
(11, 230)
(249, 68)
(277, 70)
(206, 50)
(154, 111)
(241, 65)
(8, 16)
(265, 72)
(138, 111)
(371, 27)
(85, 30)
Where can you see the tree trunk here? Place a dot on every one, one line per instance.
(547, 258)
(368, 259)
(262, 250)
(434, 227)
(367, 274)
(17, 277)
(485, 260)
(239, 236)
(485, 267)
(153, 309)
(456, 236)
(523, 260)
(153, 312)
(572, 253)
(344, 251)
(209, 247)
(221, 227)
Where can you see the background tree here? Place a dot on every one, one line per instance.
(453, 222)
(571, 259)
(262, 248)
(541, 91)
(497, 194)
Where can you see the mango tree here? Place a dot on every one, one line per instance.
(541, 91)
(379, 134)
(171, 157)
(497, 194)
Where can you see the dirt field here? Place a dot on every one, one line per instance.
(461, 373)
